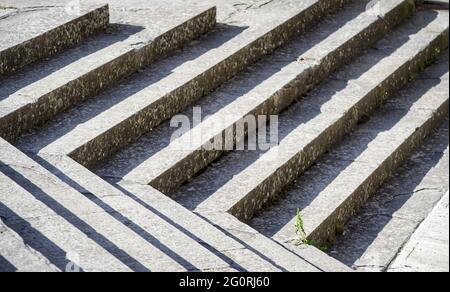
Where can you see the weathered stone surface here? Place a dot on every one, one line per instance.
(137, 115)
(65, 85)
(375, 236)
(428, 249)
(323, 120)
(331, 191)
(16, 256)
(271, 86)
(56, 214)
(33, 33)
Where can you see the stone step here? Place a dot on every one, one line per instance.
(180, 85)
(332, 111)
(428, 248)
(46, 212)
(127, 227)
(42, 98)
(267, 89)
(50, 233)
(377, 234)
(27, 38)
(357, 167)
(16, 256)
(142, 230)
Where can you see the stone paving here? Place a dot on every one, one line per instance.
(90, 180)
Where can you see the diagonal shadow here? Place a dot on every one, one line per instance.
(144, 234)
(153, 142)
(368, 233)
(91, 233)
(5, 265)
(258, 253)
(124, 220)
(43, 68)
(213, 250)
(328, 168)
(64, 123)
(33, 238)
(215, 176)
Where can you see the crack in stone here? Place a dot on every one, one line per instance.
(247, 6)
(26, 9)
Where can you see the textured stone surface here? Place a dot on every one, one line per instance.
(323, 119)
(190, 80)
(332, 190)
(283, 83)
(36, 101)
(60, 215)
(32, 33)
(427, 250)
(374, 237)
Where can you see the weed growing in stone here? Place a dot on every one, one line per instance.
(301, 233)
(300, 229)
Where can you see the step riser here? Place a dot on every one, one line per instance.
(198, 160)
(272, 187)
(174, 102)
(326, 233)
(53, 41)
(105, 76)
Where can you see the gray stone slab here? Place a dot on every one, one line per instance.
(61, 87)
(343, 172)
(375, 236)
(284, 82)
(33, 33)
(136, 115)
(428, 248)
(262, 180)
(16, 256)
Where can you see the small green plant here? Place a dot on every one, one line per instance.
(300, 229)
(301, 233)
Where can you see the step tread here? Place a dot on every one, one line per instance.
(24, 24)
(16, 256)
(159, 138)
(428, 248)
(79, 67)
(25, 86)
(69, 213)
(51, 234)
(320, 117)
(32, 33)
(87, 75)
(359, 156)
(374, 237)
(326, 43)
(156, 92)
(150, 231)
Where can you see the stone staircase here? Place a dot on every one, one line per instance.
(90, 179)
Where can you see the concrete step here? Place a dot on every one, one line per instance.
(267, 88)
(27, 38)
(40, 99)
(145, 108)
(127, 227)
(376, 236)
(357, 167)
(427, 250)
(16, 256)
(59, 221)
(245, 181)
